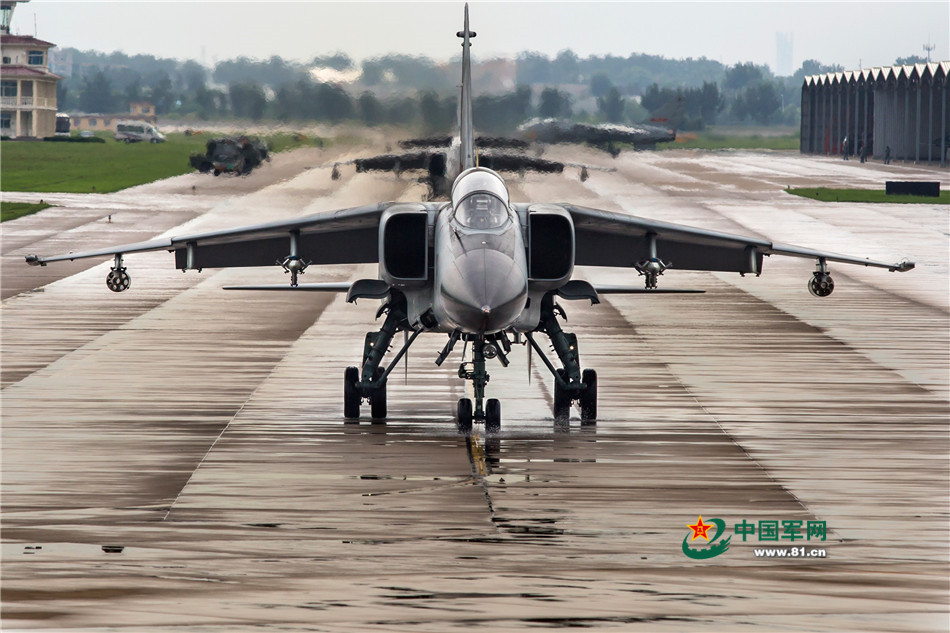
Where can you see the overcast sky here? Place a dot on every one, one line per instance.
(846, 33)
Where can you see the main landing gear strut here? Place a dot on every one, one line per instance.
(570, 383)
(369, 382)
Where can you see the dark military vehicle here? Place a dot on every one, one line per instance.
(233, 155)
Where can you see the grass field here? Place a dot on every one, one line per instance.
(715, 140)
(107, 167)
(865, 195)
(14, 210)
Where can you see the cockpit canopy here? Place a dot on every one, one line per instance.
(480, 199)
(481, 211)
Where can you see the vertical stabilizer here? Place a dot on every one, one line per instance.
(466, 133)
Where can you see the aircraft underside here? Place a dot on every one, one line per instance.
(367, 383)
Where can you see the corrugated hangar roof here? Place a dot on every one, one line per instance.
(928, 71)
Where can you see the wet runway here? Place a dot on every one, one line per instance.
(201, 430)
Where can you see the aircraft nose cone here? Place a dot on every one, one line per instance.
(484, 291)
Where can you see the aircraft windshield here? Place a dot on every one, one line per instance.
(481, 211)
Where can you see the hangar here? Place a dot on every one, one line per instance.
(901, 107)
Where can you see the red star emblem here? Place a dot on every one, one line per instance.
(700, 529)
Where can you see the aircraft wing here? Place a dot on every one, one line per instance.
(346, 236)
(605, 238)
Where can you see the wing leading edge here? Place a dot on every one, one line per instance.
(605, 238)
(346, 236)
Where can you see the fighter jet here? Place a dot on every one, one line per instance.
(438, 159)
(230, 155)
(608, 137)
(478, 268)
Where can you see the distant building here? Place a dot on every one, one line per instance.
(27, 86)
(904, 108)
(61, 62)
(784, 66)
(138, 111)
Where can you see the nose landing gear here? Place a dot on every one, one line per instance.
(490, 411)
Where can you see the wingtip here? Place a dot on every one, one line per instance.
(35, 260)
(903, 267)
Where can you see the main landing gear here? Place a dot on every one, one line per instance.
(570, 383)
(369, 382)
(118, 279)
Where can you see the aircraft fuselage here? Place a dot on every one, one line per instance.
(481, 276)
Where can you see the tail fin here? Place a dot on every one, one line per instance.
(466, 132)
(670, 114)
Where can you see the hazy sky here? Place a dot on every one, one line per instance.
(846, 33)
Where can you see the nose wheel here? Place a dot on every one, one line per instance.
(488, 411)
(465, 416)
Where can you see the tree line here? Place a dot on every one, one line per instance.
(407, 90)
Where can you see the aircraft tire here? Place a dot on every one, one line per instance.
(351, 395)
(463, 421)
(589, 398)
(492, 416)
(562, 402)
(377, 401)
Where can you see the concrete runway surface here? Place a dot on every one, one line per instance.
(202, 429)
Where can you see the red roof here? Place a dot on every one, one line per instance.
(23, 71)
(27, 40)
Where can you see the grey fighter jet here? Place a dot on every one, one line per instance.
(609, 137)
(478, 268)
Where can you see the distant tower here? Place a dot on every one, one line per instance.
(783, 54)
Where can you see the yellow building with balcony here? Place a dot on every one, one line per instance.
(27, 87)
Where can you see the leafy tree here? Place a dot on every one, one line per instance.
(195, 76)
(500, 114)
(338, 61)
(133, 91)
(554, 103)
(760, 102)
(533, 68)
(437, 115)
(97, 95)
(334, 103)
(742, 75)
(63, 96)
(711, 102)
(611, 106)
(371, 110)
(599, 84)
(565, 68)
(247, 100)
(656, 97)
(402, 111)
(161, 95)
(910, 59)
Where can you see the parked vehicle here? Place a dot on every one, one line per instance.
(135, 131)
(62, 124)
(232, 155)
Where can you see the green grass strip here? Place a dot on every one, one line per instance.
(110, 166)
(865, 195)
(703, 140)
(14, 210)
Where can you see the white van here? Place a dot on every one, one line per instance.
(135, 131)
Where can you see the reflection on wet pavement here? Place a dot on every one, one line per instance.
(201, 432)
